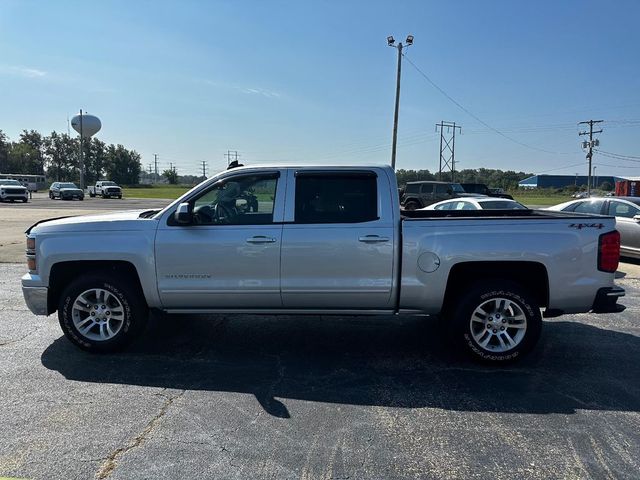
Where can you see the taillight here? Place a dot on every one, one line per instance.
(609, 251)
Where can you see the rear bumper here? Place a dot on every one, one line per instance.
(607, 300)
(36, 299)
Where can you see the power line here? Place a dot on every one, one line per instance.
(618, 155)
(478, 119)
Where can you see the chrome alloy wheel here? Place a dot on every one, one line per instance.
(498, 325)
(97, 314)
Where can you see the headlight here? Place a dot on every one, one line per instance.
(31, 254)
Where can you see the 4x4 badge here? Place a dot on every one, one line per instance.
(580, 226)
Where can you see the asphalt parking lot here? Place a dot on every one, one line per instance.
(316, 397)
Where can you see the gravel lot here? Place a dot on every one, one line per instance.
(316, 397)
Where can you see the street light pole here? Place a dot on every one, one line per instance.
(391, 42)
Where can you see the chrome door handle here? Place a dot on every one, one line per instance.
(373, 239)
(261, 239)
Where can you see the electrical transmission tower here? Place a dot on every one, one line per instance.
(204, 169)
(231, 156)
(447, 147)
(589, 144)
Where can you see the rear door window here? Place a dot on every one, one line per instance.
(621, 209)
(336, 197)
(427, 188)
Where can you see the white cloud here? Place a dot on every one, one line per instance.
(22, 71)
(260, 91)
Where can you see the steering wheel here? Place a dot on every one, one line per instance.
(223, 214)
(204, 215)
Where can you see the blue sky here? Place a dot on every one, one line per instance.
(314, 82)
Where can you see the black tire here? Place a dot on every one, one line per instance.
(466, 333)
(134, 318)
(51, 195)
(24, 200)
(119, 197)
(411, 205)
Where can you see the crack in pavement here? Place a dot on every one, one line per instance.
(111, 462)
(17, 340)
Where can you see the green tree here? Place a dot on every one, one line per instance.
(606, 186)
(34, 140)
(122, 166)
(61, 153)
(171, 175)
(4, 152)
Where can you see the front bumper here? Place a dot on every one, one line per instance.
(14, 196)
(607, 300)
(36, 299)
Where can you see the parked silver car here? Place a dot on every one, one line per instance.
(627, 213)
(480, 203)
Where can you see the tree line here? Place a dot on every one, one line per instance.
(57, 157)
(493, 178)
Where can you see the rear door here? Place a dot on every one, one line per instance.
(628, 227)
(338, 241)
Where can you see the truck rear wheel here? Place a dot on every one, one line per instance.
(411, 206)
(102, 314)
(497, 322)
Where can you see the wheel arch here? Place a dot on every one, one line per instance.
(62, 273)
(532, 276)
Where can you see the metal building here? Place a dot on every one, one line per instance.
(561, 181)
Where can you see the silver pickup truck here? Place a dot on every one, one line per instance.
(321, 240)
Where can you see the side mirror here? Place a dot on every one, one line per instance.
(636, 218)
(183, 215)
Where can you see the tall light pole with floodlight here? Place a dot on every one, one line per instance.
(392, 43)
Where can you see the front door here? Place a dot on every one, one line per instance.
(229, 256)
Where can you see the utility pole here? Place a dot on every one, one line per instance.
(155, 161)
(589, 145)
(447, 147)
(231, 154)
(204, 169)
(81, 153)
(391, 42)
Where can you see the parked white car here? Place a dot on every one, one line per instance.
(480, 203)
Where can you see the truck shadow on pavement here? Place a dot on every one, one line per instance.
(400, 362)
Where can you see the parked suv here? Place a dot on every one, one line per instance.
(482, 189)
(65, 191)
(11, 190)
(422, 194)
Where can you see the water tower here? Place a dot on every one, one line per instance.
(87, 126)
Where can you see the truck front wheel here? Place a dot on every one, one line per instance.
(102, 314)
(497, 322)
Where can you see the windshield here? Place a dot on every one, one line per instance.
(456, 187)
(10, 182)
(68, 185)
(108, 184)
